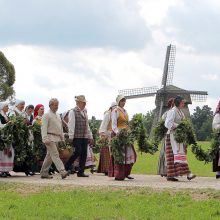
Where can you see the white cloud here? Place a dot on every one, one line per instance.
(42, 73)
(211, 76)
(154, 12)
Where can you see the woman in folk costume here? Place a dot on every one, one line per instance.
(216, 125)
(120, 121)
(38, 114)
(105, 133)
(39, 147)
(7, 155)
(19, 111)
(176, 152)
(162, 163)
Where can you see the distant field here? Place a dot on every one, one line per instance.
(147, 164)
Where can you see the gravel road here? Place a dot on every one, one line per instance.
(152, 181)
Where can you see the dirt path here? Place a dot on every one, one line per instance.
(152, 181)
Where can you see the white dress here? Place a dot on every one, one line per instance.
(6, 156)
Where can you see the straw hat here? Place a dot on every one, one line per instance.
(80, 98)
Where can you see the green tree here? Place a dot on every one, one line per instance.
(202, 122)
(148, 121)
(7, 78)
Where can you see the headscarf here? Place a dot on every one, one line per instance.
(18, 101)
(36, 109)
(217, 109)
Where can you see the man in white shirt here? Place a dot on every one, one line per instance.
(79, 134)
(52, 133)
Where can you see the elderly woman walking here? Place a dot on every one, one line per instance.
(7, 155)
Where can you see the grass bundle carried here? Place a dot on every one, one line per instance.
(159, 131)
(139, 132)
(184, 133)
(119, 142)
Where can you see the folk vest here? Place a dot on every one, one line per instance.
(122, 119)
(81, 124)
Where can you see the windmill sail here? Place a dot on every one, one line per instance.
(168, 70)
(139, 92)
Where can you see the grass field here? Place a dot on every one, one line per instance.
(147, 164)
(33, 202)
(23, 202)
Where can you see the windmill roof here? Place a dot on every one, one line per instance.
(171, 88)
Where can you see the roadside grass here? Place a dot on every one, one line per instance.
(106, 203)
(147, 164)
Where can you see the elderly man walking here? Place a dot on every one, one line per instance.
(52, 133)
(79, 134)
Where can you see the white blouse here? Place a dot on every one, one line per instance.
(216, 121)
(105, 122)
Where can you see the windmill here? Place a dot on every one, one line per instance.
(167, 90)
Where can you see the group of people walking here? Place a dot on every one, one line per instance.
(74, 126)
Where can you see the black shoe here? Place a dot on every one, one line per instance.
(93, 170)
(217, 176)
(130, 178)
(172, 179)
(3, 175)
(82, 175)
(106, 173)
(29, 173)
(8, 174)
(191, 177)
(118, 179)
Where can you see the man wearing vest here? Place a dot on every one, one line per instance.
(79, 134)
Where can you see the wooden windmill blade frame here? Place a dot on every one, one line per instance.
(139, 92)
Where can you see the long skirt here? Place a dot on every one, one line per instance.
(7, 160)
(174, 169)
(104, 160)
(215, 164)
(121, 171)
(162, 164)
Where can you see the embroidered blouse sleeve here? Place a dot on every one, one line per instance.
(115, 121)
(169, 122)
(71, 124)
(216, 122)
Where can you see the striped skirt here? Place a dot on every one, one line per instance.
(174, 169)
(104, 160)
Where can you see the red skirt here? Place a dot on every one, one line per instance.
(104, 160)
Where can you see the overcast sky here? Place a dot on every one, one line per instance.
(63, 48)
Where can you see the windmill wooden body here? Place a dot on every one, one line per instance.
(167, 90)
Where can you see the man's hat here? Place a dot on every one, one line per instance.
(80, 98)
